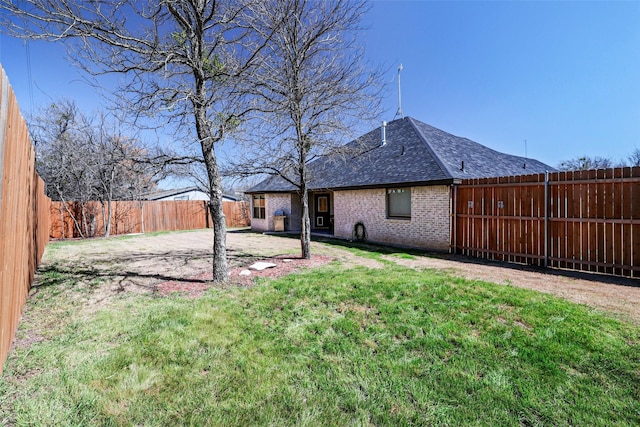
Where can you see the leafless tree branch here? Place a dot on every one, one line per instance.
(184, 64)
(313, 89)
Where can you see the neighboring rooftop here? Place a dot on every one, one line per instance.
(414, 153)
(163, 194)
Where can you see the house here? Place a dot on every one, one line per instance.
(188, 193)
(236, 211)
(397, 190)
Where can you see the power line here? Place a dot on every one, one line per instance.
(29, 74)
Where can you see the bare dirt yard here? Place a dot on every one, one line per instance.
(181, 262)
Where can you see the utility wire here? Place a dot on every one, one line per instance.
(29, 74)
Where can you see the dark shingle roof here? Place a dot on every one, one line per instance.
(414, 153)
(479, 161)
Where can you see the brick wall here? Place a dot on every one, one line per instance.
(428, 228)
(273, 202)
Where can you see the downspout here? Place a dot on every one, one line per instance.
(546, 219)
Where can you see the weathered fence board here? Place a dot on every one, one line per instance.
(24, 216)
(237, 214)
(583, 220)
(75, 219)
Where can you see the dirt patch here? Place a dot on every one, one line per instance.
(181, 262)
(283, 265)
(176, 262)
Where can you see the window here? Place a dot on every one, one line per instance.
(258, 206)
(323, 203)
(398, 202)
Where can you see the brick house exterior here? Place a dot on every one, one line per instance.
(396, 190)
(274, 202)
(429, 226)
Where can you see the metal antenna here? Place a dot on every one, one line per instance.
(399, 113)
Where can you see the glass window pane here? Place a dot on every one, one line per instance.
(259, 206)
(399, 202)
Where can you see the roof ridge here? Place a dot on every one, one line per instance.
(443, 166)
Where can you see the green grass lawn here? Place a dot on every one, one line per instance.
(329, 346)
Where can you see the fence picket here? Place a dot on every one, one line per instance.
(593, 225)
(24, 227)
(142, 216)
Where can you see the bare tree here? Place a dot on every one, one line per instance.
(585, 163)
(313, 89)
(83, 158)
(119, 167)
(182, 59)
(634, 157)
(59, 135)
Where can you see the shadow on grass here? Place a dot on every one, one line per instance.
(110, 269)
(107, 268)
(57, 275)
(391, 250)
(373, 248)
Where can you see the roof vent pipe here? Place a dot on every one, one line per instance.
(384, 134)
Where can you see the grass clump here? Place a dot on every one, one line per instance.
(333, 346)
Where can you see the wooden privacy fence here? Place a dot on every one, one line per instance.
(24, 216)
(583, 220)
(75, 219)
(237, 214)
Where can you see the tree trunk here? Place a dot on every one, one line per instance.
(207, 138)
(220, 266)
(85, 225)
(305, 234)
(73, 217)
(109, 200)
(107, 219)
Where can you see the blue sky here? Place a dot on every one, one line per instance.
(564, 76)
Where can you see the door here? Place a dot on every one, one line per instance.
(322, 212)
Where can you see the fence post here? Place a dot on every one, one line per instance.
(546, 219)
(454, 242)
